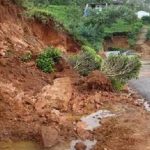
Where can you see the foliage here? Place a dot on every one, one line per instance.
(122, 26)
(117, 84)
(121, 68)
(115, 49)
(146, 19)
(46, 61)
(64, 2)
(148, 35)
(85, 62)
(26, 57)
(132, 36)
(89, 30)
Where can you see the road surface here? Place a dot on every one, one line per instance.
(142, 85)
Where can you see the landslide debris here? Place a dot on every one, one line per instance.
(35, 105)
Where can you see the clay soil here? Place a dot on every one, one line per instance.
(22, 84)
(116, 42)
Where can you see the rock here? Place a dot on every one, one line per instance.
(3, 62)
(40, 104)
(80, 146)
(49, 136)
(30, 64)
(57, 95)
(82, 133)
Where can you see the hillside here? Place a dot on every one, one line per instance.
(30, 35)
(47, 109)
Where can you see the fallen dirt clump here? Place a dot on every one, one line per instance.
(96, 81)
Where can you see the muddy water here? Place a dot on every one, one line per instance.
(29, 145)
(19, 146)
(92, 121)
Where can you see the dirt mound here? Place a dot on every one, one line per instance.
(96, 81)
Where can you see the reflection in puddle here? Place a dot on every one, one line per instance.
(147, 105)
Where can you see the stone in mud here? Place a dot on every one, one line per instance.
(57, 95)
(80, 146)
(49, 136)
(82, 133)
(3, 62)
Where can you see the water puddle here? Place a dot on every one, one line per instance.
(19, 146)
(93, 120)
(147, 105)
(89, 144)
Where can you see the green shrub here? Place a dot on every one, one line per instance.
(148, 35)
(92, 52)
(146, 19)
(26, 57)
(115, 49)
(120, 69)
(117, 84)
(132, 42)
(46, 61)
(85, 62)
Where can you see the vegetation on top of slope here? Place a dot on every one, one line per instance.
(89, 30)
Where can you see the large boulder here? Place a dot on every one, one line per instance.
(55, 96)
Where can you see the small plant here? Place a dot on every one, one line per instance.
(117, 84)
(46, 61)
(85, 62)
(26, 57)
(120, 69)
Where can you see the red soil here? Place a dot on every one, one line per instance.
(27, 101)
(116, 42)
